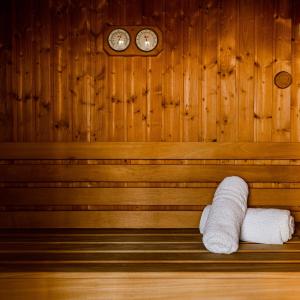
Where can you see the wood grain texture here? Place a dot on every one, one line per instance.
(159, 288)
(147, 173)
(282, 62)
(134, 263)
(282, 197)
(228, 46)
(295, 100)
(100, 219)
(77, 190)
(6, 112)
(139, 150)
(263, 70)
(213, 81)
(104, 219)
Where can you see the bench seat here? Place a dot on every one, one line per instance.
(62, 206)
(136, 250)
(57, 262)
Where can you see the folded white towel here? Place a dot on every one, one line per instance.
(222, 231)
(262, 225)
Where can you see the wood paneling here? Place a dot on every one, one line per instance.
(6, 109)
(212, 82)
(126, 185)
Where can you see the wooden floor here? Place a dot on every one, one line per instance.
(124, 264)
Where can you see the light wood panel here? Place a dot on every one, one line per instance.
(282, 35)
(147, 173)
(100, 219)
(135, 289)
(167, 150)
(213, 81)
(103, 219)
(6, 121)
(282, 197)
(135, 263)
(76, 191)
(295, 101)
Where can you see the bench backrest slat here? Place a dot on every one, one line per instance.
(140, 185)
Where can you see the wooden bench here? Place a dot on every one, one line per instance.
(119, 221)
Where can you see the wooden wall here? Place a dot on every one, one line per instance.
(212, 82)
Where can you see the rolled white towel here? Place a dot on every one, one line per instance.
(262, 225)
(222, 231)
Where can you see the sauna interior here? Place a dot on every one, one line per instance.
(108, 156)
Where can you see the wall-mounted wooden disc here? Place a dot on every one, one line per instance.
(283, 79)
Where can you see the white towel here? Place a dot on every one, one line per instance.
(222, 231)
(262, 225)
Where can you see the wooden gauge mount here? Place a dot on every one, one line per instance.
(283, 79)
(132, 40)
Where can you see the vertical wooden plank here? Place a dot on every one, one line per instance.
(6, 125)
(210, 80)
(263, 65)
(115, 96)
(29, 105)
(61, 102)
(24, 112)
(245, 70)
(135, 81)
(43, 72)
(282, 46)
(295, 103)
(173, 80)
(20, 13)
(228, 98)
(99, 69)
(14, 77)
(80, 70)
(192, 48)
(154, 14)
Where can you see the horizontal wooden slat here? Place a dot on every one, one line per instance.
(181, 269)
(102, 239)
(147, 173)
(150, 150)
(181, 257)
(88, 232)
(106, 196)
(104, 219)
(140, 196)
(74, 247)
(123, 286)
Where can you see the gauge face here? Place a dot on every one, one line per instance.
(146, 40)
(119, 39)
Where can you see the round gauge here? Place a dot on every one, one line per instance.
(146, 40)
(119, 39)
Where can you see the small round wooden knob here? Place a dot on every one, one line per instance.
(283, 79)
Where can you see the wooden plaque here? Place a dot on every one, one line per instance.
(283, 80)
(132, 49)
